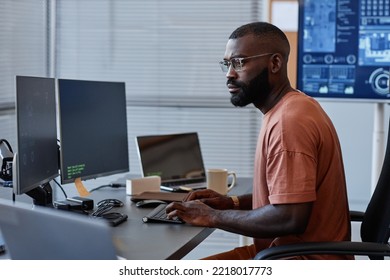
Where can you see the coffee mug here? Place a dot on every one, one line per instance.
(217, 180)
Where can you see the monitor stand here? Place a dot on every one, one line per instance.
(42, 195)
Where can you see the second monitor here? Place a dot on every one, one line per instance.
(93, 129)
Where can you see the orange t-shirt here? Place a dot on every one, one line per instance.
(298, 159)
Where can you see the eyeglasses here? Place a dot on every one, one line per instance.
(237, 62)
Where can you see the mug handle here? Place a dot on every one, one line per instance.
(233, 174)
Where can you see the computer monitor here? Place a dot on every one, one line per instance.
(344, 49)
(36, 160)
(93, 129)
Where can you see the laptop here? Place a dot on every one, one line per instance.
(176, 158)
(37, 233)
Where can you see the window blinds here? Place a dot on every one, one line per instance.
(167, 52)
(23, 46)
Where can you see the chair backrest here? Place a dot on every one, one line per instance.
(375, 226)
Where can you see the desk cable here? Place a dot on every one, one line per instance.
(103, 208)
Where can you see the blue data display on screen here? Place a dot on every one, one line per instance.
(344, 49)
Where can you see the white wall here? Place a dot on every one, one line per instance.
(354, 122)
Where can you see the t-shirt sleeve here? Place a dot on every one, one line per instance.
(291, 178)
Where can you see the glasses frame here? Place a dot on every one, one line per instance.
(237, 62)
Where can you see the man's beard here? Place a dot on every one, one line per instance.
(255, 92)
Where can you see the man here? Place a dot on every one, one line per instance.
(299, 189)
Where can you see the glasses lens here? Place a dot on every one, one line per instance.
(236, 63)
(224, 65)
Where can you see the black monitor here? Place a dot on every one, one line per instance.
(93, 129)
(344, 49)
(36, 158)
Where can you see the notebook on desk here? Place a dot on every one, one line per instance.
(176, 158)
(164, 196)
(37, 233)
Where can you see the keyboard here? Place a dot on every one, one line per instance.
(158, 215)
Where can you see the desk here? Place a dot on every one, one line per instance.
(155, 241)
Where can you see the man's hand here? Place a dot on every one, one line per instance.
(211, 198)
(193, 212)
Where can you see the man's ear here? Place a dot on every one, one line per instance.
(276, 62)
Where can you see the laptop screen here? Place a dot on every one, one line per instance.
(173, 157)
(43, 233)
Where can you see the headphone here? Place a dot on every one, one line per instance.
(6, 156)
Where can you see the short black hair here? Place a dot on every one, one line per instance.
(263, 30)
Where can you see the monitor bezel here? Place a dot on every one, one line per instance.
(16, 169)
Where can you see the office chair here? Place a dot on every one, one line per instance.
(374, 228)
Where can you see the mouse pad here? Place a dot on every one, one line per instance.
(165, 196)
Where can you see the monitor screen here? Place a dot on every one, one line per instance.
(344, 49)
(93, 129)
(36, 159)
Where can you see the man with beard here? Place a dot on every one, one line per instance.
(299, 189)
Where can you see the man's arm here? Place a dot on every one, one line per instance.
(265, 222)
(219, 201)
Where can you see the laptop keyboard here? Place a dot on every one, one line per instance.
(158, 215)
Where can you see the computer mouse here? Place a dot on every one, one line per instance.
(151, 203)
